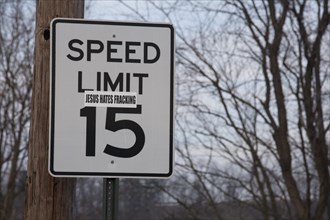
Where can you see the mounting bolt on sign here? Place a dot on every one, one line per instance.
(111, 99)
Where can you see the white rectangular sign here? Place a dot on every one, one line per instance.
(112, 99)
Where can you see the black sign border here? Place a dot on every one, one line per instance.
(52, 100)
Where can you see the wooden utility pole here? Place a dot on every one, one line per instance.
(46, 197)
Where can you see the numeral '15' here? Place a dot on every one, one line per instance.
(113, 125)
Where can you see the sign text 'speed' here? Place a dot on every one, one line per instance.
(133, 51)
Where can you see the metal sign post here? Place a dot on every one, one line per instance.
(110, 198)
(114, 83)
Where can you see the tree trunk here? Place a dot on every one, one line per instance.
(46, 197)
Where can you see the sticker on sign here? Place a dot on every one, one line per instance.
(112, 99)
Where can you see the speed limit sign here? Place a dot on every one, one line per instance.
(111, 99)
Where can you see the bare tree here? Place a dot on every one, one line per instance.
(88, 199)
(16, 66)
(139, 199)
(253, 102)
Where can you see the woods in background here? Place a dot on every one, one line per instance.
(252, 121)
